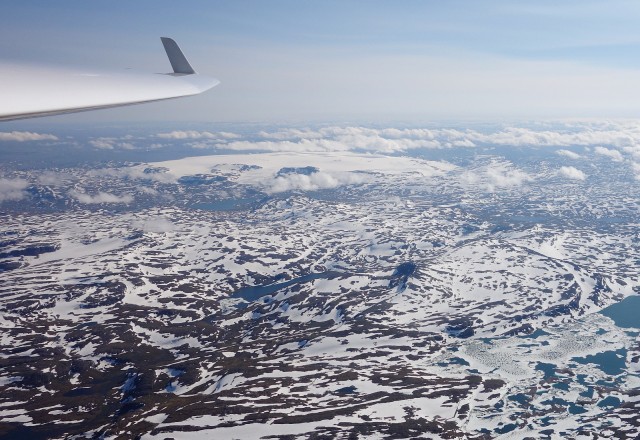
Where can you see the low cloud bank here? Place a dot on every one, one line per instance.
(100, 197)
(158, 225)
(193, 134)
(313, 181)
(24, 136)
(623, 136)
(612, 154)
(135, 173)
(572, 173)
(12, 189)
(496, 176)
(569, 154)
(109, 143)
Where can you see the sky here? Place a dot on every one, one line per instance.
(351, 61)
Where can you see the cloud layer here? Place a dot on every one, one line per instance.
(600, 136)
(193, 134)
(111, 143)
(313, 181)
(12, 189)
(24, 136)
(572, 173)
(498, 175)
(612, 154)
(569, 154)
(100, 197)
(158, 225)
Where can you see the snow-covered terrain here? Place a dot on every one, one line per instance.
(336, 292)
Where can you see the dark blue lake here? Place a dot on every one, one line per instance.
(253, 293)
(626, 313)
(611, 362)
(226, 204)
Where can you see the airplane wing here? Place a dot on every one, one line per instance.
(28, 91)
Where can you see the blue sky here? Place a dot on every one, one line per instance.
(297, 61)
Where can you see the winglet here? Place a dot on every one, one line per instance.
(177, 59)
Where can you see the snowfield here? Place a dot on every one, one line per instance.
(338, 293)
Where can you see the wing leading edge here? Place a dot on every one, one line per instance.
(28, 91)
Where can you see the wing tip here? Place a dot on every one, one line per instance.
(178, 61)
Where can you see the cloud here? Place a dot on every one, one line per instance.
(614, 155)
(100, 197)
(303, 145)
(109, 143)
(496, 176)
(569, 154)
(102, 143)
(621, 135)
(135, 173)
(391, 140)
(12, 189)
(507, 178)
(53, 178)
(313, 181)
(192, 134)
(291, 133)
(337, 139)
(24, 136)
(572, 173)
(202, 145)
(584, 135)
(158, 225)
(634, 151)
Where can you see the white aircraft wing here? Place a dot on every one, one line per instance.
(28, 91)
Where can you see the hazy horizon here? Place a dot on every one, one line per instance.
(352, 61)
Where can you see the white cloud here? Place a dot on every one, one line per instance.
(304, 145)
(507, 178)
(348, 139)
(614, 155)
(569, 154)
(158, 225)
(135, 172)
(24, 136)
(622, 135)
(389, 140)
(193, 134)
(108, 143)
(53, 178)
(202, 145)
(12, 189)
(633, 150)
(100, 197)
(103, 143)
(314, 181)
(291, 133)
(572, 173)
(496, 176)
